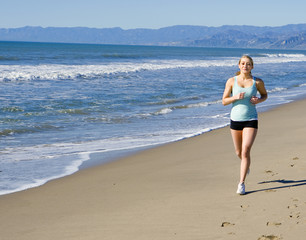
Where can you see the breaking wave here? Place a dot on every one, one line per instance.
(61, 71)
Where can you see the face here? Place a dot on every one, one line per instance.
(245, 65)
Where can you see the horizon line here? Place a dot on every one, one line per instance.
(178, 25)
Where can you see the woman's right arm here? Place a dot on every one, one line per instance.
(227, 98)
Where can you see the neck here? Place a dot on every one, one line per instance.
(245, 75)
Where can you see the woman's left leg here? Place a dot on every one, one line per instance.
(248, 138)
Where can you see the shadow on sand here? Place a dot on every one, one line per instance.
(289, 184)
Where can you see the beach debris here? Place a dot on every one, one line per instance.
(227, 224)
(295, 158)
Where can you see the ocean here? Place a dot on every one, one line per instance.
(63, 104)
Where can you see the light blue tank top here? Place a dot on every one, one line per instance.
(243, 109)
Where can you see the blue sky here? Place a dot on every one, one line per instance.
(155, 14)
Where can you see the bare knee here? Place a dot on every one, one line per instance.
(245, 153)
(238, 153)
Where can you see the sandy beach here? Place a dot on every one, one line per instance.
(184, 190)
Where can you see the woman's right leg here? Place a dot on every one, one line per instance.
(237, 139)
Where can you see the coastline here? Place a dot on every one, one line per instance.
(71, 120)
(180, 190)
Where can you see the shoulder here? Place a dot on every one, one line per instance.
(259, 82)
(230, 81)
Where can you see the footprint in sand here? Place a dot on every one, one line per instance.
(292, 206)
(269, 237)
(270, 172)
(294, 215)
(270, 190)
(227, 224)
(244, 207)
(295, 158)
(274, 224)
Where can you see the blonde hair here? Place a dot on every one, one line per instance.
(245, 56)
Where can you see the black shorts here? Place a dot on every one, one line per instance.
(235, 125)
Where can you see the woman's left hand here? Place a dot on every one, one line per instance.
(254, 100)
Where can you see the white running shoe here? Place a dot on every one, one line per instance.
(241, 189)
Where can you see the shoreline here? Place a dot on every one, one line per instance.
(179, 190)
(100, 158)
(96, 159)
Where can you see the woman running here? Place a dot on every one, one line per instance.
(241, 91)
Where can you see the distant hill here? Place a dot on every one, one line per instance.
(283, 37)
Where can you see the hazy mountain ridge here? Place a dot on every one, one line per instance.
(284, 37)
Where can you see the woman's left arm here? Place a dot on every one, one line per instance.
(262, 91)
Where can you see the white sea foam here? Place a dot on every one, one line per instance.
(55, 72)
(163, 111)
(280, 58)
(58, 71)
(168, 110)
(203, 104)
(283, 55)
(36, 182)
(277, 89)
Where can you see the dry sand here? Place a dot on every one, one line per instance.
(184, 190)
